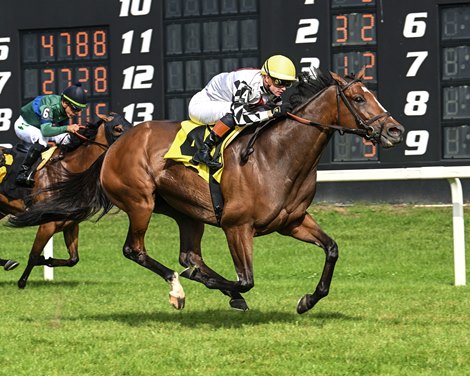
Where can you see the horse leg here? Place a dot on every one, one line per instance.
(309, 231)
(43, 235)
(191, 232)
(240, 242)
(7, 264)
(134, 249)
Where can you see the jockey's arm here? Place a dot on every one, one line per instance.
(48, 129)
(245, 110)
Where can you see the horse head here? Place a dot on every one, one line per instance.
(115, 126)
(358, 108)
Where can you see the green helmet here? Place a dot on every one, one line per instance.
(75, 96)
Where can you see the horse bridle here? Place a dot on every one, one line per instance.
(90, 141)
(364, 129)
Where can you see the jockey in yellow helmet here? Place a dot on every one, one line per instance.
(241, 97)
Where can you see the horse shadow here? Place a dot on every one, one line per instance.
(217, 318)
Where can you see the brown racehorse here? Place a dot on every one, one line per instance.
(270, 192)
(102, 134)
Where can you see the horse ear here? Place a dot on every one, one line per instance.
(361, 73)
(340, 80)
(105, 118)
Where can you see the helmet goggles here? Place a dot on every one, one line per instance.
(281, 83)
(74, 107)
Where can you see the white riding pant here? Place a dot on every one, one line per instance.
(204, 110)
(30, 134)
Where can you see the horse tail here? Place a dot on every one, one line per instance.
(76, 198)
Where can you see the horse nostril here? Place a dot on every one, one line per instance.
(395, 130)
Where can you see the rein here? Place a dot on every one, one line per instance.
(86, 139)
(342, 130)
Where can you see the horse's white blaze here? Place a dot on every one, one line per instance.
(366, 90)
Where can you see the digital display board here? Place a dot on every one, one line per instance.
(52, 60)
(146, 58)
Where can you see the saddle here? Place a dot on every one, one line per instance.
(11, 160)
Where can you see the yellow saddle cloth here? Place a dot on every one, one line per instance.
(184, 147)
(8, 161)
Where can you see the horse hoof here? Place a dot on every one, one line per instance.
(303, 305)
(21, 284)
(10, 265)
(239, 304)
(177, 302)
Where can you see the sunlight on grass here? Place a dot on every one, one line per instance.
(392, 308)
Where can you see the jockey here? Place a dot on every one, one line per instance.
(41, 121)
(241, 97)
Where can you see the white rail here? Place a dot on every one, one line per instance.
(452, 174)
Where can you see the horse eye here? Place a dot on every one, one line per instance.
(359, 99)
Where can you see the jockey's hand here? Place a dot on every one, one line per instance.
(72, 128)
(282, 110)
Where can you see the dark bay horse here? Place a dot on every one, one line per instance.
(96, 141)
(270, 192)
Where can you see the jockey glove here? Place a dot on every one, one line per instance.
(282, 110)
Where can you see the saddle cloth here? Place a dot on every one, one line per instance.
(11, 160)
(187, 141)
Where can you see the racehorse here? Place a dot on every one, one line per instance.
(95, 140)
(270, 190)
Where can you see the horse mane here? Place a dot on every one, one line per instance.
(309, 85)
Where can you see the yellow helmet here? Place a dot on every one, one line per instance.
(279, 66)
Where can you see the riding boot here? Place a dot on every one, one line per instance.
(217, 134)
(25, 176)
(203, 155)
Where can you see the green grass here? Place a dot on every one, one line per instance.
(392, 308)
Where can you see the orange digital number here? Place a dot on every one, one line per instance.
(99, 43)
(365, 29)
(373, 149)
(47, 42)
(68, 73)
(48, 81)
(346, 65)
(342, 29)
(84, 74)
(68, 41)
(100, 108)
(101, 79)
(369, 66)
(81, 40)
